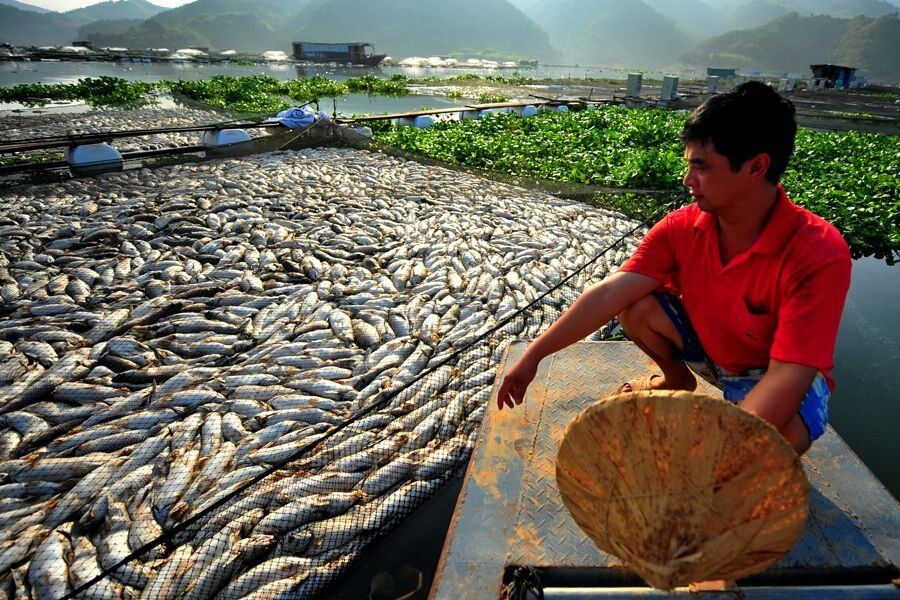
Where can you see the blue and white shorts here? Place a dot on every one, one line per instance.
(735, 386)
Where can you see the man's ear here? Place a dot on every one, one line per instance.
(758, 166)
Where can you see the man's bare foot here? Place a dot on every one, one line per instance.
(657, 382)
(717, 585)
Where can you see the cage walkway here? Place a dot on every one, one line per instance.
(510, 513)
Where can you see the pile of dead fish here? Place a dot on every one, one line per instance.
(167, 336)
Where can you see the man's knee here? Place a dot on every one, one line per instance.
(641, 312)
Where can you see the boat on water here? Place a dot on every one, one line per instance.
(357, 53)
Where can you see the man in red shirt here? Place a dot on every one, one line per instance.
(742, 287)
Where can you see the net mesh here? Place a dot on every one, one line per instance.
(244, 420)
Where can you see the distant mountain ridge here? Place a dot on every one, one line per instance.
(120, 9)
(424, 27)
(27, 28)
(612, 32)
(24, 6)
(761, 34)
(793, 42)
(399, 27)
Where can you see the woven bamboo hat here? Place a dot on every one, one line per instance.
(681, 486)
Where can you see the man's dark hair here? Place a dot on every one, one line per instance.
(751, 119)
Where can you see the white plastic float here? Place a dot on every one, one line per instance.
(226, 142)
(93, 159)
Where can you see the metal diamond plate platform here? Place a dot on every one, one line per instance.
(510, 512)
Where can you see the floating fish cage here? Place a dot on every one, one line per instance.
(233, 378)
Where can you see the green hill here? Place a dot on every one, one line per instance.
(613, 32)
(107, 26)
(28, 28)
(793, 42)
(843, 8)
(695, 17)
(214, 23)
(24, 6)
(122, 9)
(756, 13)
(423, 27)
(272, 11)
(873, 45)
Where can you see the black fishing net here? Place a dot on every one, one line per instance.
(253, 434)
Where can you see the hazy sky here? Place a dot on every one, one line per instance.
(70, 4)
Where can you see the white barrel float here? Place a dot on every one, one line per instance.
(529, 110)
(93, 159)
(470, 115)
(669, 88)
(422, 121)
(634, 85)
(224, 142)
(363, 130)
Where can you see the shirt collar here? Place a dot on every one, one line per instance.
(776, 232)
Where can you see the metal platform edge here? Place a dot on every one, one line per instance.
(473, 557)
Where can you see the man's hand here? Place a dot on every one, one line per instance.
(596, 306)
(516, 382)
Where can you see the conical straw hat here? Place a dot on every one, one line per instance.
(681, 486)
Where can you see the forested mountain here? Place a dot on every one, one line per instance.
(271, 10)
(121, 9)
(706, 18)
(398, 27)
(793, 42)
(612, 32)
(424, 27)
(250, 27)
(756, 13)
(27, 28)
(633, 33)
(697, 18)
(23, 6)
(843, 8)
(107, 26)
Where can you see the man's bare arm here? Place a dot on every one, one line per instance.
(594, 308)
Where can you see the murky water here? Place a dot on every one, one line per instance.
(12, 73)
(865, 408)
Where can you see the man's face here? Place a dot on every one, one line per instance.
(712, 183)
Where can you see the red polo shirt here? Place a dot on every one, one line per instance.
(780, 299)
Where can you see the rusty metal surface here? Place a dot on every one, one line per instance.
(510, 512)
(545, 534)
